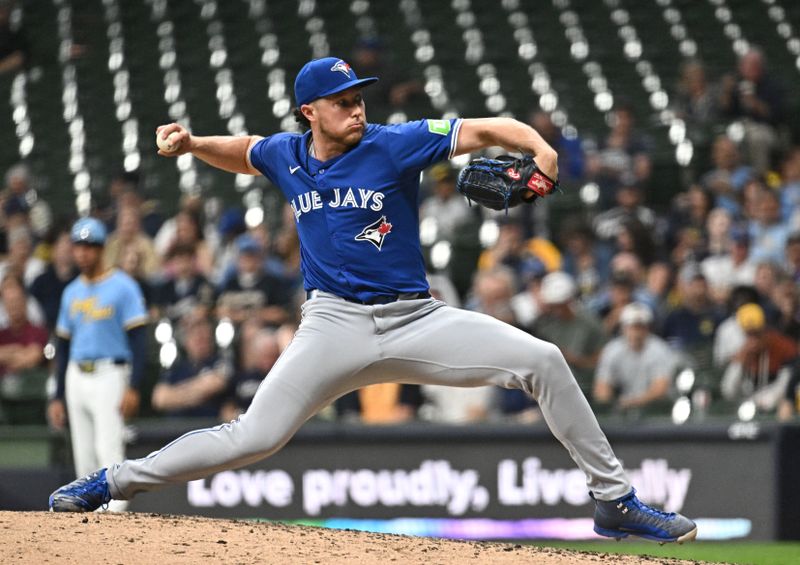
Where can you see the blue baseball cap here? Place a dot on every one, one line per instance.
(323, 77)
(248, 244)
(90, 231)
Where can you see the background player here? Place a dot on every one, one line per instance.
(99, 354)
(354, 188)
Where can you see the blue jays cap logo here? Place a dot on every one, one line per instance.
(376, 232)
(342, 67)
(326, 76)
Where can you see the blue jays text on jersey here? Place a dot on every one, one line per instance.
(95, 314)
(357, 213)
(353, 198)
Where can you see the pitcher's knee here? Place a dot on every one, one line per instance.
(263, 444)
(549, 359)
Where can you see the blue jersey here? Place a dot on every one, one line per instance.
(94, 316)
(357, 214)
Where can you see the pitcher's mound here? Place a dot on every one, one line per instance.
(150, 539)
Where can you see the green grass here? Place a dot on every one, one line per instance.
(745, 553)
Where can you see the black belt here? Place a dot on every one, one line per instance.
(90, 365)
(379, 299)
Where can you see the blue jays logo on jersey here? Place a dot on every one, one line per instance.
(342, 67)
(376, 232)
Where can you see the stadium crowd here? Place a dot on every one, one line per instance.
(697, 300)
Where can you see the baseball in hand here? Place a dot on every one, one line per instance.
(168, 144)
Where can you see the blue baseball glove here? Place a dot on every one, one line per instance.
(504, 182)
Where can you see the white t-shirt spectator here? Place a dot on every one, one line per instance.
(632, 372)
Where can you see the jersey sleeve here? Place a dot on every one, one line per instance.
(63, 323)
(132, 309)
(414, 146)
(263, 156)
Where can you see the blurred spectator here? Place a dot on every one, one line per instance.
(628, 283)
(16, 196)
(696, 103)
(527, 304)
(790, 189)
(585, 259)
(623, 157)
(34, 312)
(609, 305)
(635, 369)
(124, 190)
(13, 48)
(48, 287)
(688, 220)
(630, 199)
(724, 271)
(132, 263)
(106, 205)
(524, 258)
(754, 97)
(130, 237)
(185, 290)
(231, 226)
(792, 257)
(189, 232)
(766, 278)
(492, 293)
(377, 404)
(259, 354)
(448, 405)
(758, 371)
(194, 385)
(785, 298)
(768, 234)
(719, 224)
(729, 337)
(635, 238)
(21, 342)
(728, 176)
(571, 159)
(442, 288)
(285, 259)
(751, 199)
(447, 209)
(195, 205)
(251, 291)
(389, 403)
(575, 331)
(19, 262)
(658, 287)
(690, 327)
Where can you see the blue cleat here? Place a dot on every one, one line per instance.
(630, 516)
(82, 495)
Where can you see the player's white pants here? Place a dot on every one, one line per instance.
(95, 422)
(341, 346)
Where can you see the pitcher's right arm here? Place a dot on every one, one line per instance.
(227, 152)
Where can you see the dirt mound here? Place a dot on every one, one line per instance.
(44, 537)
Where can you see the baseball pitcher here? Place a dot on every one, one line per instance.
(369, 318)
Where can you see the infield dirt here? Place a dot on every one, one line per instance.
(133, 538)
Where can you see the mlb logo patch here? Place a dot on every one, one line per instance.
(342, 67)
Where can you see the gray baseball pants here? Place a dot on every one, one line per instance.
(341, 346)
